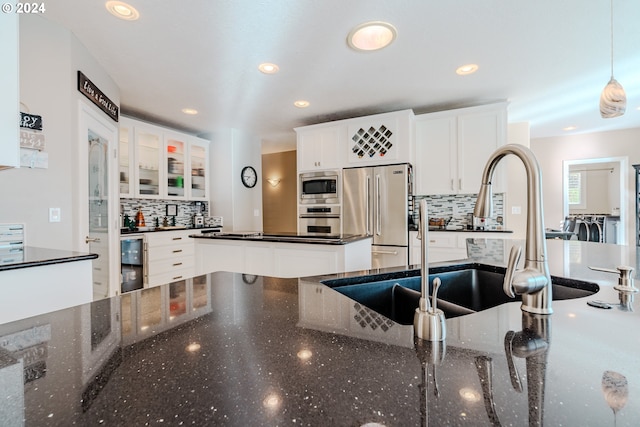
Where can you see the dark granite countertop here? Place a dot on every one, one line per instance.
(337, 239)
(35, 257)
(238, 350)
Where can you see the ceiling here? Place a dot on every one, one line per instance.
(550, 59)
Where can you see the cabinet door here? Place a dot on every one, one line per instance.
(175, 158)
(199, 164)
(148, 149)
(479, 134)
(125, 159)
(435, 161)
(9, 87)
(318, 149)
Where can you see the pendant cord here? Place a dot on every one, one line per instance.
(611, 31)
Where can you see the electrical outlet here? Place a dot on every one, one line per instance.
(256, 212)
(54, 214)
(516, 210)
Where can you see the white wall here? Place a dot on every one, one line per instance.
(516, 182)
(551, 152)
(49, 59)
(230, 151)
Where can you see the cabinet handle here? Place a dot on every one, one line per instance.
(452, 184)
(177, 251)
(460, 183)
(177, 277)
(177, 264)
(177, 238)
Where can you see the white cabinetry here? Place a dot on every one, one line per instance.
(170, 256)
(380, 139)
(450, 245)
(280, 259)
(319, 305)
(363, 141)
(158, 163)
(9, 85)
(452, 148)
(318, 148)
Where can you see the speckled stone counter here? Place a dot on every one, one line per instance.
(35, 257)
(238, 350)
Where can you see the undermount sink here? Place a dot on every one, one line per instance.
(465, 289)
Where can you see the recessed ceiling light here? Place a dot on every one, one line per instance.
(268, 68)
(191, 111)
(301, 103)
(122, 10)
(372, 35)
(568, 128)
(467, 69)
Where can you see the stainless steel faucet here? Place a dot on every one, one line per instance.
(428, 320)
(534, 281)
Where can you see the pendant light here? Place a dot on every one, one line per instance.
(613, 99)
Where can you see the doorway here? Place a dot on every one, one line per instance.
(597, 187)
(98, 195)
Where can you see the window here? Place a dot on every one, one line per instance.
(577, 192)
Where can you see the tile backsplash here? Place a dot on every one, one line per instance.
(457, 206)
(158, 209)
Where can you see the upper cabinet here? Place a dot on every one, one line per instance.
(371, 140)
(318, 148)
(9, 85)
(452, 148)
(158, 163)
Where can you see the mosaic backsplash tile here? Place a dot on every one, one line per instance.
(458, 206)
(158, 209)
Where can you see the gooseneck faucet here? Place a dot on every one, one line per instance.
(534, 281)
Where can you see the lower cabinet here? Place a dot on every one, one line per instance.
(170, 256)
(280, 259)
(154, 310)
(451, 245)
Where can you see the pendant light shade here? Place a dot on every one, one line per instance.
(613, 99)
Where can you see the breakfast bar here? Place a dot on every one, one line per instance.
(225, 350)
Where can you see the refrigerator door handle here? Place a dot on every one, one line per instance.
(377, 210)
(368, 205)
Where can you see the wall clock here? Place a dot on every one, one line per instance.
(249, 177)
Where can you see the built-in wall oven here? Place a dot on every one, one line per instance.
(319, 220)
(320, 187)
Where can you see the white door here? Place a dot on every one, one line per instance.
(99, 194)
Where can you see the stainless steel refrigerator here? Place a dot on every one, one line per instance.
(376, 201)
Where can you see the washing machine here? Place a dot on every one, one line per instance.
(596, 228)
(582, 227)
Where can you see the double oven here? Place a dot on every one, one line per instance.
(319, 212)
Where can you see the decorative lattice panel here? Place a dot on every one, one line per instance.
(367, 318)
(373, 142)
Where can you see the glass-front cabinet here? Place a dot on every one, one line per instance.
(124, 162)
(198, 159)
(157, 163)
(175, 149)
(148, 144)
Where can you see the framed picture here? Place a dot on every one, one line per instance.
(172, 210)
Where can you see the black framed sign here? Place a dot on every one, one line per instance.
(95, 95)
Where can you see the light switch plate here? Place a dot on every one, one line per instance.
(54, 214)
(516, 210)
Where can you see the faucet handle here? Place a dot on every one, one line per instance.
(514, 257)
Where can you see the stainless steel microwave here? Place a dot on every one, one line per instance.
(320, 187)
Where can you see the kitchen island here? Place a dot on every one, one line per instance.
(38, 280)
(282, 254)
(270, 351)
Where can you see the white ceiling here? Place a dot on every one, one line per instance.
(549, 58)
